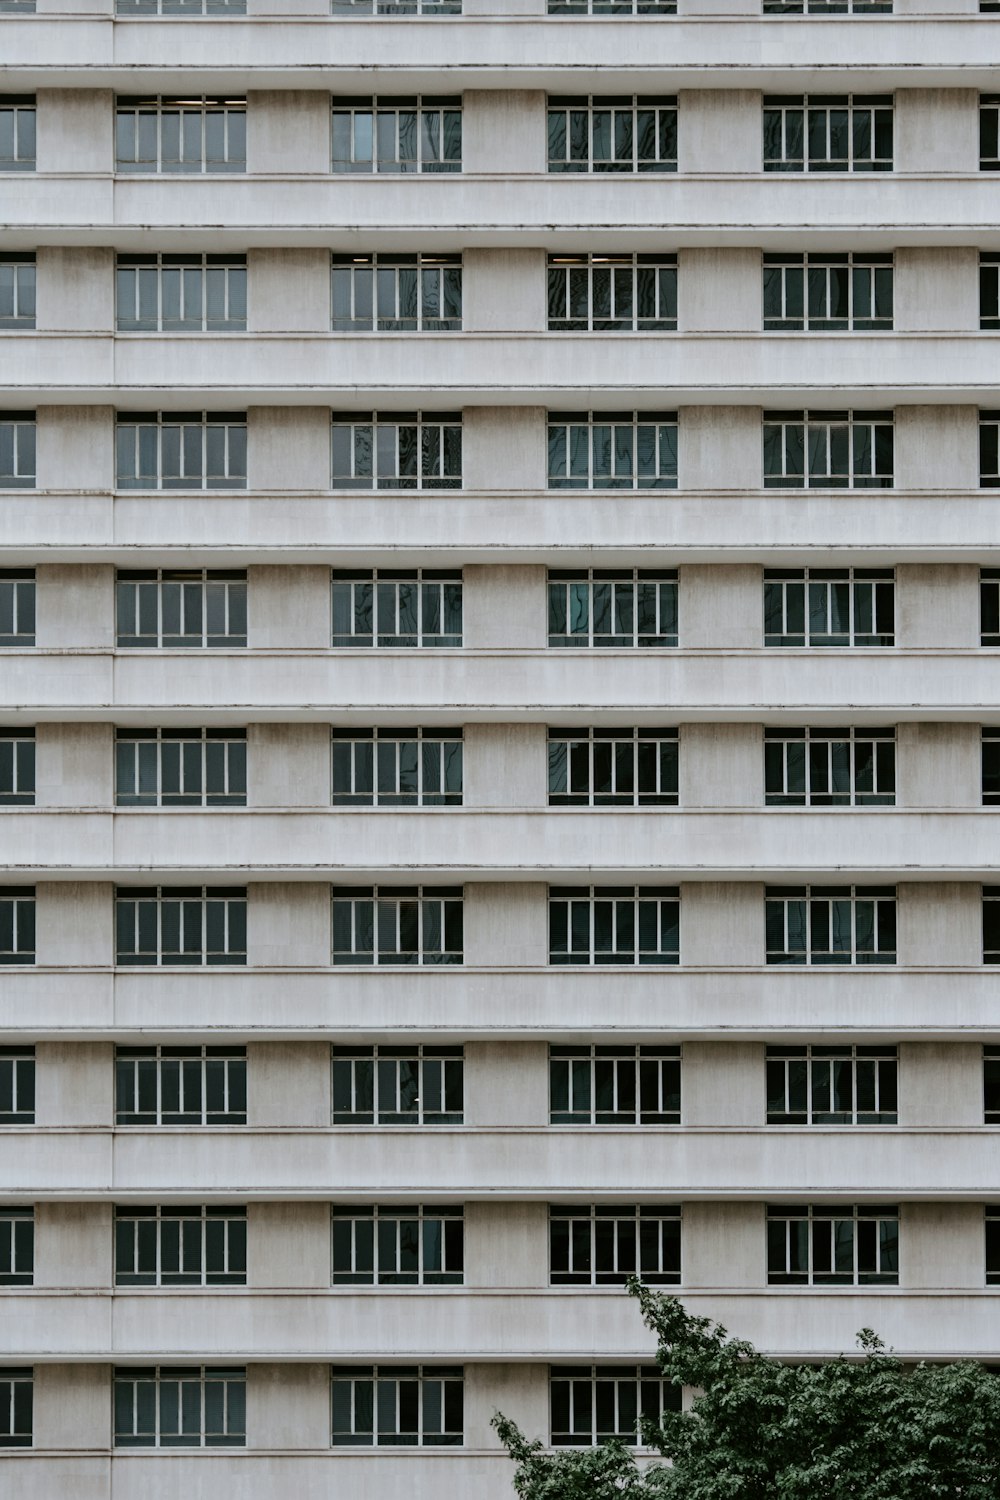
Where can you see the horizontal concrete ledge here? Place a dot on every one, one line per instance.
(446, 845)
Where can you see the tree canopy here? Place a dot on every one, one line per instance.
(853, 1428)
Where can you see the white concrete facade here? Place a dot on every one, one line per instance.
(726, 688)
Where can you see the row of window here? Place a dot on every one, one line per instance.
(398, 609)
(587, 450)
(391, 925)
(586, 133)
(220, 9)
(594, 1084)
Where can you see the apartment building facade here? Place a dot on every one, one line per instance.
(499, 728)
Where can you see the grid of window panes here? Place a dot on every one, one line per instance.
(17, 450)
(593, 133)
(17, 924)
(180, 767)
(614, 924)
(991, 1085)
(992, 1246)
(180, 610)
(829, 607)
(612, 767)
(991, 924)
(989, 606)
(828, 450)
(172, 1406)
(396, 450)
(16, 1391)
(181, 7)
(17, 132)
(612, 450)
(181, 450)
(17, 7)
(396, 7)
(396, 767)
(601, 1244)
(819, 1085)
(397, 924)
(989, 450)
(590, 1404)
(991, 767)
(398, 1244)
(828, 133)
(398, 1406)
(17, 1085)
(612, 608)
(837, 924)
(614, 1085)
(180, 135)
(202, 925)
(612, 293)
(389, 134)
(829, 767)
(827, 7)
(418, 607)
(181, 1085)
(17, 1246)
(17, 767)
(989, 132)
(612, 7)
(190, 1246)
(17, 289)
(989, 286)
(827, 292)
(386, 1085)
(396, 293)
(17, 606)
(180, 293)
(833, 1245)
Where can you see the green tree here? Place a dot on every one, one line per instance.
(860, 1428)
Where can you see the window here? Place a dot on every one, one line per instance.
(15, 1408)
(824, 293)
(992, 1246)
(17, 767)
(614, 924)
(396, 7)
(181, 293)
(17, 924)
(829, 767)
(990, 763)
(397, 609)
(201, 1406)
(836, 924)
(989, 450)
(17, 132)
(612, 7)
(989, 285)
(831, 1085)
(397, 135)
(181, 925)
(181, 1086)
(17, 1085)
(17, 289)
(828, 133)
(833, 1245)
(828, 450)
(397, 450)
(181, 7)
(181, 135)
(597, 1085)
(17, 7)
(180, 767)
(989, 132)
(17, 450)
(181, 450)
(592, 134)
(612, 450)
(827, 7)
(626, 608)
(398, 1245)
(604, 1244)
(989, 606)
(612, 767)
(398, 1085)
(589, 1404)
(397, 293)
(397, 924)
(397, 1405)
(180, 1246)
(615, 293)
(181, 610)
(17, 1246)
(991, 925)
(17, 606)
(829, 607)
(396, 767)
(991, 1085)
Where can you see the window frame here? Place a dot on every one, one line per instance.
(581, 1076)
(367, 280)
(624, 123)
(404, 450)
(586, 902)
(808, 1237)
(17, 767)
(17, 1246)
(23, 130)
(651, 1395)
(778, 118)
(822, 912)
(571, 590)
(156, 901)
(19, 449)
(409, 754)
(437, 116)
(19, 926)
(17, 1084)
(202, 1380)
(819, 273)
(858, 448)
(189, 10)
(162, 107)
(991, 924)
(421, 1403)
(434, 1072)
(194, 762)
(195, 1069)
(219, 592)
(779, 766)
(593, 450)
(17, 1390)
(870, 594)
(140, 436)
(196, 274)
(357, 595)
(795, 1073)
(646, 757)
(436, 910)
(401, 1234)
(602, 1244)
(989, 132)
(210, 1246)
(581, 284)
(14, 268)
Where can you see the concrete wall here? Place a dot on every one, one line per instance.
(721, 606)
(936, 131)
(503, 132)
(719, 131)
